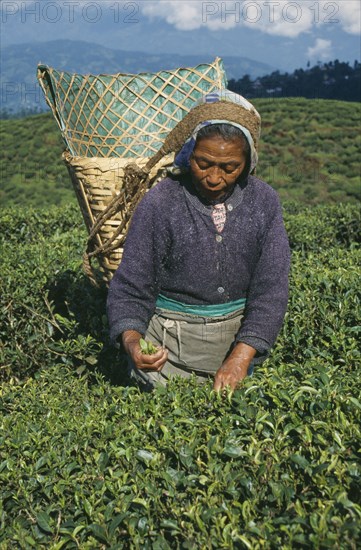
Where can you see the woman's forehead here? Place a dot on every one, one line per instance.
(217, 146)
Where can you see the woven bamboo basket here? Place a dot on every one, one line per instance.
(109, 121)
(96, 182)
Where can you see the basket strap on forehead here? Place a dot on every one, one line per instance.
(224, 110)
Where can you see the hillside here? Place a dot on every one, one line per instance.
(309, 153)
(89, 461)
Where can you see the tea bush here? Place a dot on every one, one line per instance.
(88, 465)
(88, 461)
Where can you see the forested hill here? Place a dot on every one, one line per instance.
(334, 80)
(309, 153)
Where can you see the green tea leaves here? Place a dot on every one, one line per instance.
(43, 520)
(89, 461)
(147, 348)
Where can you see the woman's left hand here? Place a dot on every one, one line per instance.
(234, 368)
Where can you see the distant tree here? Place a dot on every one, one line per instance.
(332, 80)
(243, 86)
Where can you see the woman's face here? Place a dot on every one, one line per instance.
(216, 165)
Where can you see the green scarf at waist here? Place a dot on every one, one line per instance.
(212, 310)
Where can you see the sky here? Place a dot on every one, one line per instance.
(282, 33)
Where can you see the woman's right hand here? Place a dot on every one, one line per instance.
(153, 362)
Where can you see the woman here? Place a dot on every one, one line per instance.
(204, 274)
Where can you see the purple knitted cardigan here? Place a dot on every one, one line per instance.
(173, 248)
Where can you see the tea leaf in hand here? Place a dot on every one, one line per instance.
(147, 348)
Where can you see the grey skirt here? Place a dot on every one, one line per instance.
(196, 345)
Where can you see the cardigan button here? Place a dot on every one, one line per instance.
(220, 289)
(219, 238)
(230, 207)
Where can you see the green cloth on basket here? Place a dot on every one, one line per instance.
(124, 115)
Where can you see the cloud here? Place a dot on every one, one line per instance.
(185, 16)
(321, 50)
(350, 16)
(276, 17)
(280, 17)
(287, 18)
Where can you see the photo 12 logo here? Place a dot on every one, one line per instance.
(68, 11)
(23, 92)
(269, 11)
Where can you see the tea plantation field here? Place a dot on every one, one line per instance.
(88, 462)
(309, 152)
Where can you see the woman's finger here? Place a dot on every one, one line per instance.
(225, 380)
